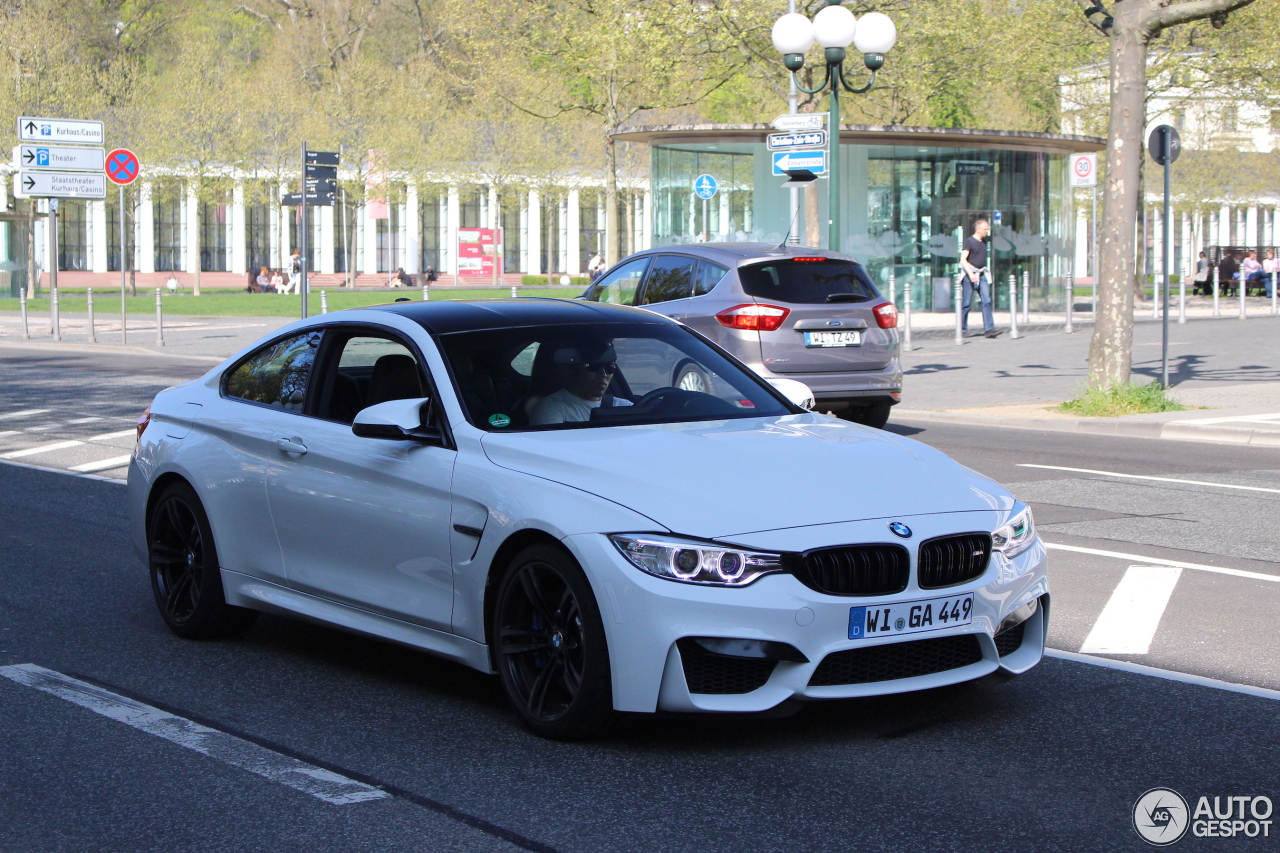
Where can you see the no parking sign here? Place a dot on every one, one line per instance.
(1084, 170)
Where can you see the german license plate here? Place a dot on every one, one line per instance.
(832, 339)
(910, 617)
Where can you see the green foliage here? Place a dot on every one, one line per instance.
(1129, 399)
(577, 283)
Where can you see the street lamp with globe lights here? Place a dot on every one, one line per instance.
(835, 28)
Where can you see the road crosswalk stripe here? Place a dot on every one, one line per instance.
(1160, 561)
(9, 432)
(1144, 477)
(25, 413)
(1129, 622)
(221, 746)
(40, 448)
(101, 465)
(109, 435)
(84, 420)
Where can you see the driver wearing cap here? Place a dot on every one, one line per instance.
(584, 374)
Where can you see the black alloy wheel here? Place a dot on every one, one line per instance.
(184, 569)
(550, 647)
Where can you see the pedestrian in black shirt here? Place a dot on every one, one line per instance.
(973, 263)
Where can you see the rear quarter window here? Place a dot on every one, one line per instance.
(807, 282)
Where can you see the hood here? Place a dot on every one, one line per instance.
(720, 478)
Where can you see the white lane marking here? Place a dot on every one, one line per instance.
(1129, 622)
(43, 427)
(109, 435)
(1157, 479)
(101, 465)
(84, 420)
(63, 472)
(229, 749)
(1142, 558)
(40, 448)
(1166, 674)
(25, 413)
(9, 432)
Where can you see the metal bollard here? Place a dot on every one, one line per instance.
(159, 320)
(1013, 307)
(1217, 312)
(1182, 298)
(893, 287)
(1026, 297)
(959, 299)
(426, 292)
(22, 305)
(324, 302)
(55, 321)
(1243, 312)
(1071, 299)
(906, 315)
(93, 332)
(515, 293)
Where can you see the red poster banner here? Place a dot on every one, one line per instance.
(478, 250)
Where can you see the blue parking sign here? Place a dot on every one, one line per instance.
(705, 186)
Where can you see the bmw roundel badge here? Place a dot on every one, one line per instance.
(900, 530)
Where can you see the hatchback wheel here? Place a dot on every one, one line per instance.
(873, 415)
(184, 569)
(690, 377)
(550, 646)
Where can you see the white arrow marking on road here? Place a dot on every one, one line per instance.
(40, 448)
(227, 748)
(1128, 623)
(1144, 477)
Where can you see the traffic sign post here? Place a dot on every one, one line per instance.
(60, 185)
(59, 158)
(813, 161)
(319, 186)
(76, 131)
(122, 169)
(1165, 146)
(802, 121)
(808, 139)
(705, 188)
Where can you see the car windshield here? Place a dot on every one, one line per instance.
(807, 281)
(599, 375)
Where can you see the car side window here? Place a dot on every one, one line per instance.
(619, 287)
(708, 276)
(365, 369)
(670, 278)
(278, 374)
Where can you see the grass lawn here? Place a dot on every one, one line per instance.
(257, 304)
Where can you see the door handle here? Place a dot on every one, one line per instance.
(291, 445)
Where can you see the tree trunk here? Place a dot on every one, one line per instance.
(610, 202)
(1111, 349)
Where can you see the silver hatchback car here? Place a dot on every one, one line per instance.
(786, 311)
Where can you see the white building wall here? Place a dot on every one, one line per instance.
(98, 237)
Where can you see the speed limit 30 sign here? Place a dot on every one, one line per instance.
(1084, 170)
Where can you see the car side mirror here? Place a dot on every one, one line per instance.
(794, 390)
(398, 420)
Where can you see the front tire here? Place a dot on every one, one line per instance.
(185, 578)
(550, 648)
(690, 377)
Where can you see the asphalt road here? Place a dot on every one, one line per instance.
(1053, 760)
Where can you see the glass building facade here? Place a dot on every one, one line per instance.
(908, 197)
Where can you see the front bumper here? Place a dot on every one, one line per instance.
(645, 618)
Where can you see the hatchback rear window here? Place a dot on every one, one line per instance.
(807, 282)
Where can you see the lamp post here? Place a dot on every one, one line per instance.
(835, 28)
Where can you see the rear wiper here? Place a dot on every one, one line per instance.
(845, 297)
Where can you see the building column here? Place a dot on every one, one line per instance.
(524, 230)
(413, 231)
(1252, 233)
(647, 228)
(369, 245)
(1224, 226)
(1188, 259)
(1157, 241)
(533, 233)
(1082, 241)
(328, 244)
(573, 263)
(144, 223)
(238, 257)
(283, 236)
(191, 231)
(451, 219)
(98, 236)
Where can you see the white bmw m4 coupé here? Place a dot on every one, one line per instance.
(525, 487)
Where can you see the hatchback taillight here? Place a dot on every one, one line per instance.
(754, 317)
(143, 420)
(886, 315)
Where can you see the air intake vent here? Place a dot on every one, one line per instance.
(1010, 640)
(853, 569)
(897, 660)
(706, 672)
(951, 560)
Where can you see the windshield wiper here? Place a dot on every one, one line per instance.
(845, 297)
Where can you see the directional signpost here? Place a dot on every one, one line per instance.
(319, 187)
(809, 139)
(1165, 145)
(802, 121)
(32, 129)
(64, 159)
(62, 185)
(123, 169)
(787, 161)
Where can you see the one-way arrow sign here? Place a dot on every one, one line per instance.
(786, 161)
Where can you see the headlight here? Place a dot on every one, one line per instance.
(1016, 536)
(691, 561)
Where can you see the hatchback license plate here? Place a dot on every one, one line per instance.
(910, 617)
(832, 339)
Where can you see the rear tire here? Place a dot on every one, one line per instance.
(690, 377)
(185, 577)
(872, 415)
(549, 646)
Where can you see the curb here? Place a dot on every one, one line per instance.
(62, 346)
(1169, 430)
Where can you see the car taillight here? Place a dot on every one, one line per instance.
(143, 420)
(886, 315)
(754, 317)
